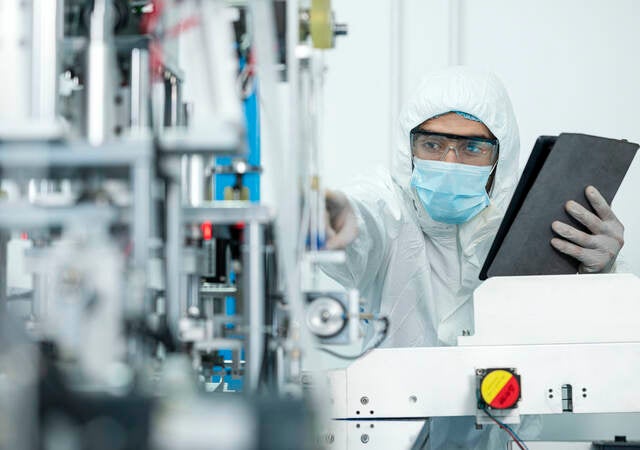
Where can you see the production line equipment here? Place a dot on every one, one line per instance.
(148, 298)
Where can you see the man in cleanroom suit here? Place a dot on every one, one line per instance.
(415, 239)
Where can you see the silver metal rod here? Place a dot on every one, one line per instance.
(140, 83)
(100, 79)
(193, 292)
(173, 256)
(39, 302)
(4, 240)
(289, 204)
(72, 154)
(15, 32)
(173, 108)
(23, 215)
(194, 181)
(141, 175)
(176, 101)
(47, 29)
(227, 212)
(253, 295)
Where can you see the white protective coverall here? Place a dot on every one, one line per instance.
(420, 273)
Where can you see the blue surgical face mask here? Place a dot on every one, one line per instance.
(451, 192)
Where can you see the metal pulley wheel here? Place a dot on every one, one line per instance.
(326, 317)
(321, 24)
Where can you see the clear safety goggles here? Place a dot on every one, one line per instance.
(469, 150)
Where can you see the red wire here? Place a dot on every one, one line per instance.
(251, 61)
(149, 22)
(149, 25)
(182, 26)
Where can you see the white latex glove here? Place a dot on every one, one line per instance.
(342, 225)
(597, 251)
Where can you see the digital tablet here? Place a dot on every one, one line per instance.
(558, 170)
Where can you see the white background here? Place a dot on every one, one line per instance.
(569, 66)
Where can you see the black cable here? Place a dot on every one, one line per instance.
(381, 338)
(508, 429)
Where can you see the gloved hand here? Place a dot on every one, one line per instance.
(342, 225)
(597, 251)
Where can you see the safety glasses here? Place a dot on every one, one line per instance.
(468, 150)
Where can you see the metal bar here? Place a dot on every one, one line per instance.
(140, 90)
(184, 179)
(172, 101)
(193, 180)
(39, 300)
(173, 256)
(193, 292)
(141, 176)
(15, 27)
(196, 180)
(221, 140)
(99, 65)
(227, 212)
(28, 216)
(36, 155)
(4, 240)
(47, 33)
(253, 294)
(176, 102)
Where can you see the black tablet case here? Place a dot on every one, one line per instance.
(559, 169)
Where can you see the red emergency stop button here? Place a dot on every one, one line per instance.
(500, 388)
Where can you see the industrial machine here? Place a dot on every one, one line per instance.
(161, 304)
(542, 345)
(149, 298)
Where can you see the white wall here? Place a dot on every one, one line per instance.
(570, 66)
(357, 92)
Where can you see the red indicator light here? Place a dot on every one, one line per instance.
(207, 231)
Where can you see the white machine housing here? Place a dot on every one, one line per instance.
(578, 330)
